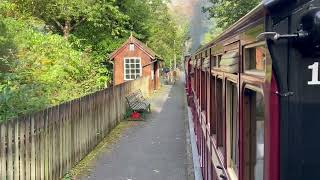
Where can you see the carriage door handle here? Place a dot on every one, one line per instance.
(219, 167)
(276, 36)
(223, 177)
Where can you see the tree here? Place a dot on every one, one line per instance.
(65, 16)
(227, 12)
(167, 37)
(213, 32)
(138, 13)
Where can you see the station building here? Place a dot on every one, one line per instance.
(135, 59)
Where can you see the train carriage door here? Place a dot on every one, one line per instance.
(294, 44)
(254, 119)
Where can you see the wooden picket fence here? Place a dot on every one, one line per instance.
(47, 144)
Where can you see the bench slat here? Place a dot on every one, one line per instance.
(136, 101)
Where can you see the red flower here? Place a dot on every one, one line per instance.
(136, 115)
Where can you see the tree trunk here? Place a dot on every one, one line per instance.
(66, 29)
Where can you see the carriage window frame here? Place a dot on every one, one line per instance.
(248, 61)
(232, 128)
(251, 148)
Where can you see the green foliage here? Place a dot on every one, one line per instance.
(39, 69)
(168, 37)
(213, 32)
(65, 16)
(227, 12)
(138, 13)
(7, 9)
(67, 177)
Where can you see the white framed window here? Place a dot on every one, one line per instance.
(132, 68)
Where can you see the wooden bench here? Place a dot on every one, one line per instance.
(137, 102)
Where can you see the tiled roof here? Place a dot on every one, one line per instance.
(139, 44)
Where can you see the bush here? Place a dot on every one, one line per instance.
(40, 69)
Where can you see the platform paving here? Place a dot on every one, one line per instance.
(154, 149)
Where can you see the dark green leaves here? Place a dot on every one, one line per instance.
(226, 12)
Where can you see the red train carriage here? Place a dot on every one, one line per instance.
(254, 95)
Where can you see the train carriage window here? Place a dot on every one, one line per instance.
(198, 84)
(254, 116)
(232, 127)
(207, 106)
(255, 59)
(196, 81)
(199, 79)
(213, 109)
(207, 94)
(220, 120)
(219, 57)
(203, 90)
(213, 61)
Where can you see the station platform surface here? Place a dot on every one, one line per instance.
(154, 149)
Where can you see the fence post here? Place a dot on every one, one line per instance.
(10, 150)
(3, 147)
(61, 139)
(42, 141)
(16, 148)
(28, 148)
(33, 135)
(22, 123)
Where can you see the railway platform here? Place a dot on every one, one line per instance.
(152, 149)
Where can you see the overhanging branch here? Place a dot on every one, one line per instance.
(78, 23)
(58, 23)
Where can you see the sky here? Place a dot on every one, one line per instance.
(199, 23)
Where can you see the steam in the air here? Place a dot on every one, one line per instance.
(199, 23)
